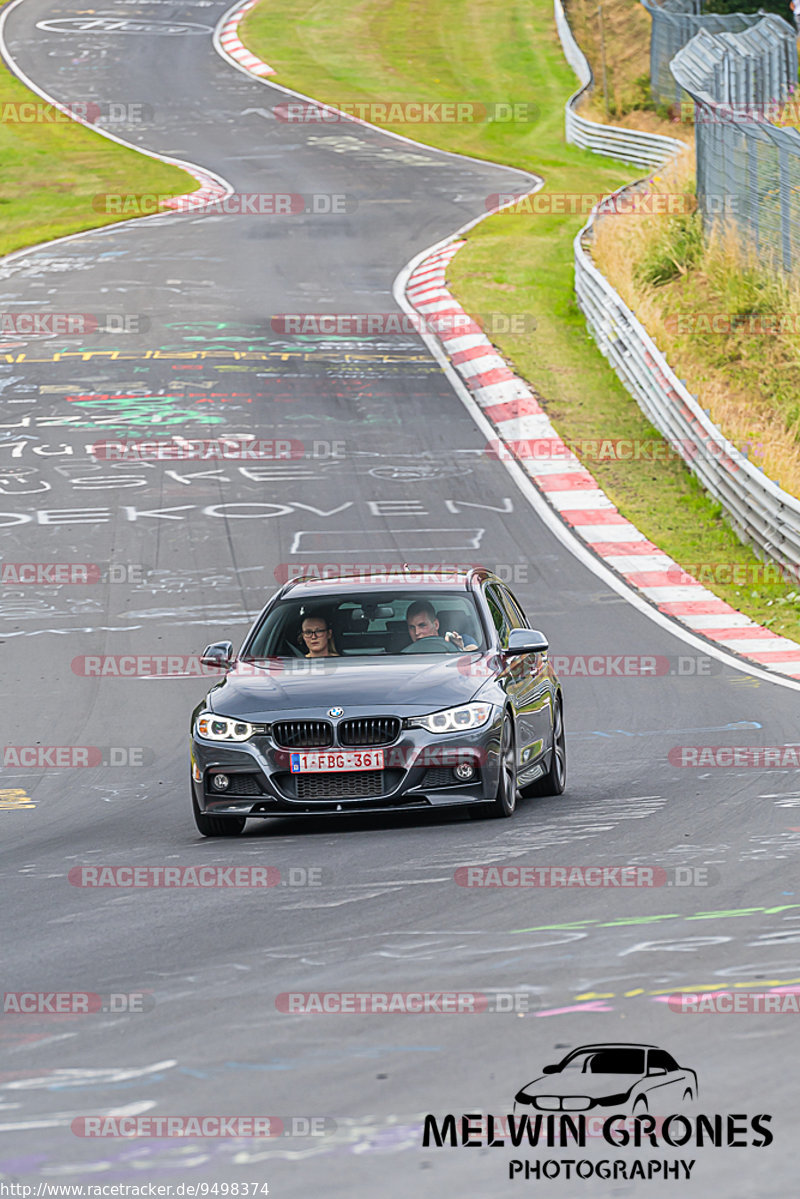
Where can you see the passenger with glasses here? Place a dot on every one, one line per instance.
(316, 637)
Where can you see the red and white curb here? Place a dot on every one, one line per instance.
(512, 408)
(232, 46)
(211, 189)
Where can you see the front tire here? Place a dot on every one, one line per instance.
(216, 826)
(505, 801)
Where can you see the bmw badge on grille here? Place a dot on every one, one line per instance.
(336, 712)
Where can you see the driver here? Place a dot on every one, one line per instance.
(422, 622)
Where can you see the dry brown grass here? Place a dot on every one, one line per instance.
(748, 381)
(626, 36)
(625, 47)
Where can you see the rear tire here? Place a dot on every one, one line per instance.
(505, 801)
(217, 826)
(554, 782)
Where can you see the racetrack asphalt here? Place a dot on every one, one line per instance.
(400, 474)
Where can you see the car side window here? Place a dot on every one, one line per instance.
(659, 1058)
(498, 614)
(516, 616)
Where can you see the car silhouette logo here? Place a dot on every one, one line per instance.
(336, 712)
(621, 1077)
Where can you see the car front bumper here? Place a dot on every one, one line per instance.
(417, 775)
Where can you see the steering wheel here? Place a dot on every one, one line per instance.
(431, 645)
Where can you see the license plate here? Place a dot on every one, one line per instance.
(335, 759)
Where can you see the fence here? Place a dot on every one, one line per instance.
(748, 170)
(675, 22)
(628, 145)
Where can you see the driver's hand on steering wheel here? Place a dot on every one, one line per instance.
(458, 640)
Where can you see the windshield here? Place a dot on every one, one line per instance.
(373, 624)
(607, 1061)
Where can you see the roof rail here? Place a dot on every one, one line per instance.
(287, 586)
(473, 572)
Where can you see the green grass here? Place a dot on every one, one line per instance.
(350, 50)
(51, 172)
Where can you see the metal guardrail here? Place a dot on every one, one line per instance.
(627, 145)
(762, 513)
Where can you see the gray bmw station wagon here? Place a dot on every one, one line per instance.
(379, 694)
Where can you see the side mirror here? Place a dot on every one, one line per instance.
(219, 654)
(527, 641)
(656, 1070)
(550, 1069)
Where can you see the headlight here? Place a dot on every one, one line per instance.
(222, 728)
(453, 720)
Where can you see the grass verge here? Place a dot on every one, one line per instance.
(345, 51)
(51, 168)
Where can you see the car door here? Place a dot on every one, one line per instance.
(534, 685)
(514, 676)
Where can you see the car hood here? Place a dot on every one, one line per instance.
(593, 1085)
(406, 685)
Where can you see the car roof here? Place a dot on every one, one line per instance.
(613, 1045)
(415, 581)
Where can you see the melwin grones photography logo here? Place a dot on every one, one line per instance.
(627, 1096)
